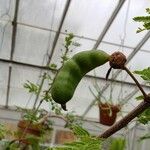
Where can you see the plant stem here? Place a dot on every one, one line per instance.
(39, 91)
(37, 108)
(136, 81)
(123, 122)
(35, 111)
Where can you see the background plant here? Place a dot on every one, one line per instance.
(36, 115)
(144, 117)
(4, 131)
(145, 20)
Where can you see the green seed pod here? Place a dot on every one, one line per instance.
(73, 71)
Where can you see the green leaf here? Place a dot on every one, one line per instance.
(148, 10)
(145, 74)
(142, 19)
(140, 30)
(84, 141)
(52, 66)
(3, 131)
(34, 142)
(46, 96)
(90, 143)
(79, 131)
(76, 44)
(118, 144)
(144, 117)
(64, 58)
(147, 25)
(68, 40)
(75, 144)
(141, 97)
(31, 87)
(145, 137)
(145, 20)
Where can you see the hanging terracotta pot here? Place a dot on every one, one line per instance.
(108, 113)
(27, 127)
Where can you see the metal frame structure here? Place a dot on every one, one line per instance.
(58, 32)
(13, 42)
(12, 62)
(109, 22)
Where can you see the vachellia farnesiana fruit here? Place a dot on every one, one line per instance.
(73, 70)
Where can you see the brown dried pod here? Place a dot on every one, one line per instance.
(117, 60)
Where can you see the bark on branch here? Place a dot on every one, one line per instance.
(123, 122)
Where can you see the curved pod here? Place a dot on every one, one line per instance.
(73, 71)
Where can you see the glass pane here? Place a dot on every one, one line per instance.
(18, 94)
(3, 82)
(139, 62)
(5, 39)
(146, 46)
(7, 9)
(118, 30)
(41, 13)
(32, 45)
(93, 113)
(88, 18)
(82, 96)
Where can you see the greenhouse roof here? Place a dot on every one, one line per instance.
(32, 34)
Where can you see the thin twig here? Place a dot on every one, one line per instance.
(136, 81)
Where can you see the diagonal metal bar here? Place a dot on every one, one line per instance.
(136, 49)
(59, 29)
(13, 42)
(129, 96)
(109, 22)
(54, 45)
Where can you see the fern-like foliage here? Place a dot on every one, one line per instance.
(145, 137)
(145, 74)
(118, 144)
(144, 117)
(79, 131)
(145, 20)
(84, 141)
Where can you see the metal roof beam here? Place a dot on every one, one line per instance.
(138, 47)
(13, 42)
(59, 29)
(109, 22)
